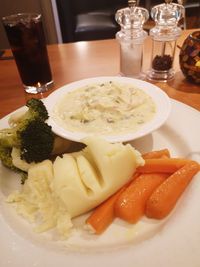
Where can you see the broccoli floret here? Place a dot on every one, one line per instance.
(24, 176)
(36, 110)
(31, 134)
(34, 138)
(6, 159)
(9, 137)
(37, 141)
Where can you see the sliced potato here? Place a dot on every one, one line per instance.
(85, 179)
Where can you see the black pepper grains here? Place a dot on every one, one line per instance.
(162, 63)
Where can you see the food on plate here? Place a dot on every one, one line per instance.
(130, 206)
(85, 179)
(166, 165)
(110, 180)
(113, 179)
(75, 183)
(18, 162)
(60, 145)
(29, 139)
(104, 214)
(29, 133)
(136, 194)
(107, 108)
(163, 153)
(37, 203)
(36, 110)
(165, 197)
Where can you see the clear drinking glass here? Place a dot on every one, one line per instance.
(27, 41)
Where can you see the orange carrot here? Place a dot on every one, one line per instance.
(130, 206)
(166, 165)
(157, 154)
(104, 215)
(165, 197)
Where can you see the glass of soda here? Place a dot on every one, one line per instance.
(27, 41)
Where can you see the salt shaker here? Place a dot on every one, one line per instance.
(131, 38)
(164, 36)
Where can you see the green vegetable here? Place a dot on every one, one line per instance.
(29, 133)
(36, 110)
(6, 159)
(24, 176)
(37, 141)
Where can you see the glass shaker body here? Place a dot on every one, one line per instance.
(131, 55)
(131, 38)
(164, 36)
(162, 60)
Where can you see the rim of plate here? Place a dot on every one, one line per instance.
(160, 98)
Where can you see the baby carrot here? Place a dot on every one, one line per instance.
(104, 215)
(166, 165)
(130, 206)
(157, 154)
(165, 197)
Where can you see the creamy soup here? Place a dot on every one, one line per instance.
(108, 108)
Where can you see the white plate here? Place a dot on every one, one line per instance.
(174, 242)
(159, 97)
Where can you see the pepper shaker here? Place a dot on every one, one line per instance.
(131, 38)
(164, 36)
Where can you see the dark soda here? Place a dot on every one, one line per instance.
(28, 45)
